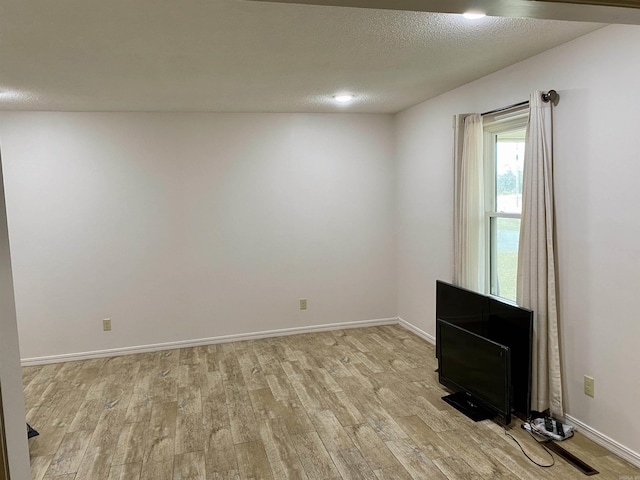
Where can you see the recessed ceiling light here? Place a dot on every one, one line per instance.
(473, 15)
(9, 95)
(6, 94)
(343, 98)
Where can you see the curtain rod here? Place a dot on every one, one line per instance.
(498, 110)
(551, 96)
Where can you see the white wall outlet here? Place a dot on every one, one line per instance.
(303, 304)
(588, 386)
(106, 324)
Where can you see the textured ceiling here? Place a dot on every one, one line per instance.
(240, 56)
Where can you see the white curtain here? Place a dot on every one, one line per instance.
(469, 207)
(536, 288)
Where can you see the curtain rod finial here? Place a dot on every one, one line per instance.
(551, 96)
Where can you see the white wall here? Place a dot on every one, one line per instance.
(598, 225)
(189, 226)
(10, 373)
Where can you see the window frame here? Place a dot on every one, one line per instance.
(493, 126)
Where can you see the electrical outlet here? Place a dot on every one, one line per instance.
(106, 324)
(303, 304)
(588, 386)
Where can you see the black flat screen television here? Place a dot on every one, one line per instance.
(497, 320)
(478, 370)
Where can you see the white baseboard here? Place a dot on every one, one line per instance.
(114, 352)
(421, 333)
(604, 441)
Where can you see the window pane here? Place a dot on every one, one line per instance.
(509, 161)
(505, 234)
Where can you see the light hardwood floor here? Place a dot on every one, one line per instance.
(349, 404)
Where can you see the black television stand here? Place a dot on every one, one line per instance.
(466, 404)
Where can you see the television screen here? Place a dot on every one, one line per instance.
(461, 307)
(477, 366)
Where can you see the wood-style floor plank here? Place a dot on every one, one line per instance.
(361, 404)
(315, 459)
(128, 471)
(95, 465)
(160, 445)
(280, 451)
(189, 466)
(131, 444)
(70, 453)
(253, 462)
(157, 470)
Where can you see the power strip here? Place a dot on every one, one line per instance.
(538, 426)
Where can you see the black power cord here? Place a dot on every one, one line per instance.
(553, 460)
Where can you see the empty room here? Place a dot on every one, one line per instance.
(330, 239)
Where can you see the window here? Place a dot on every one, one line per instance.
(504, 140)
